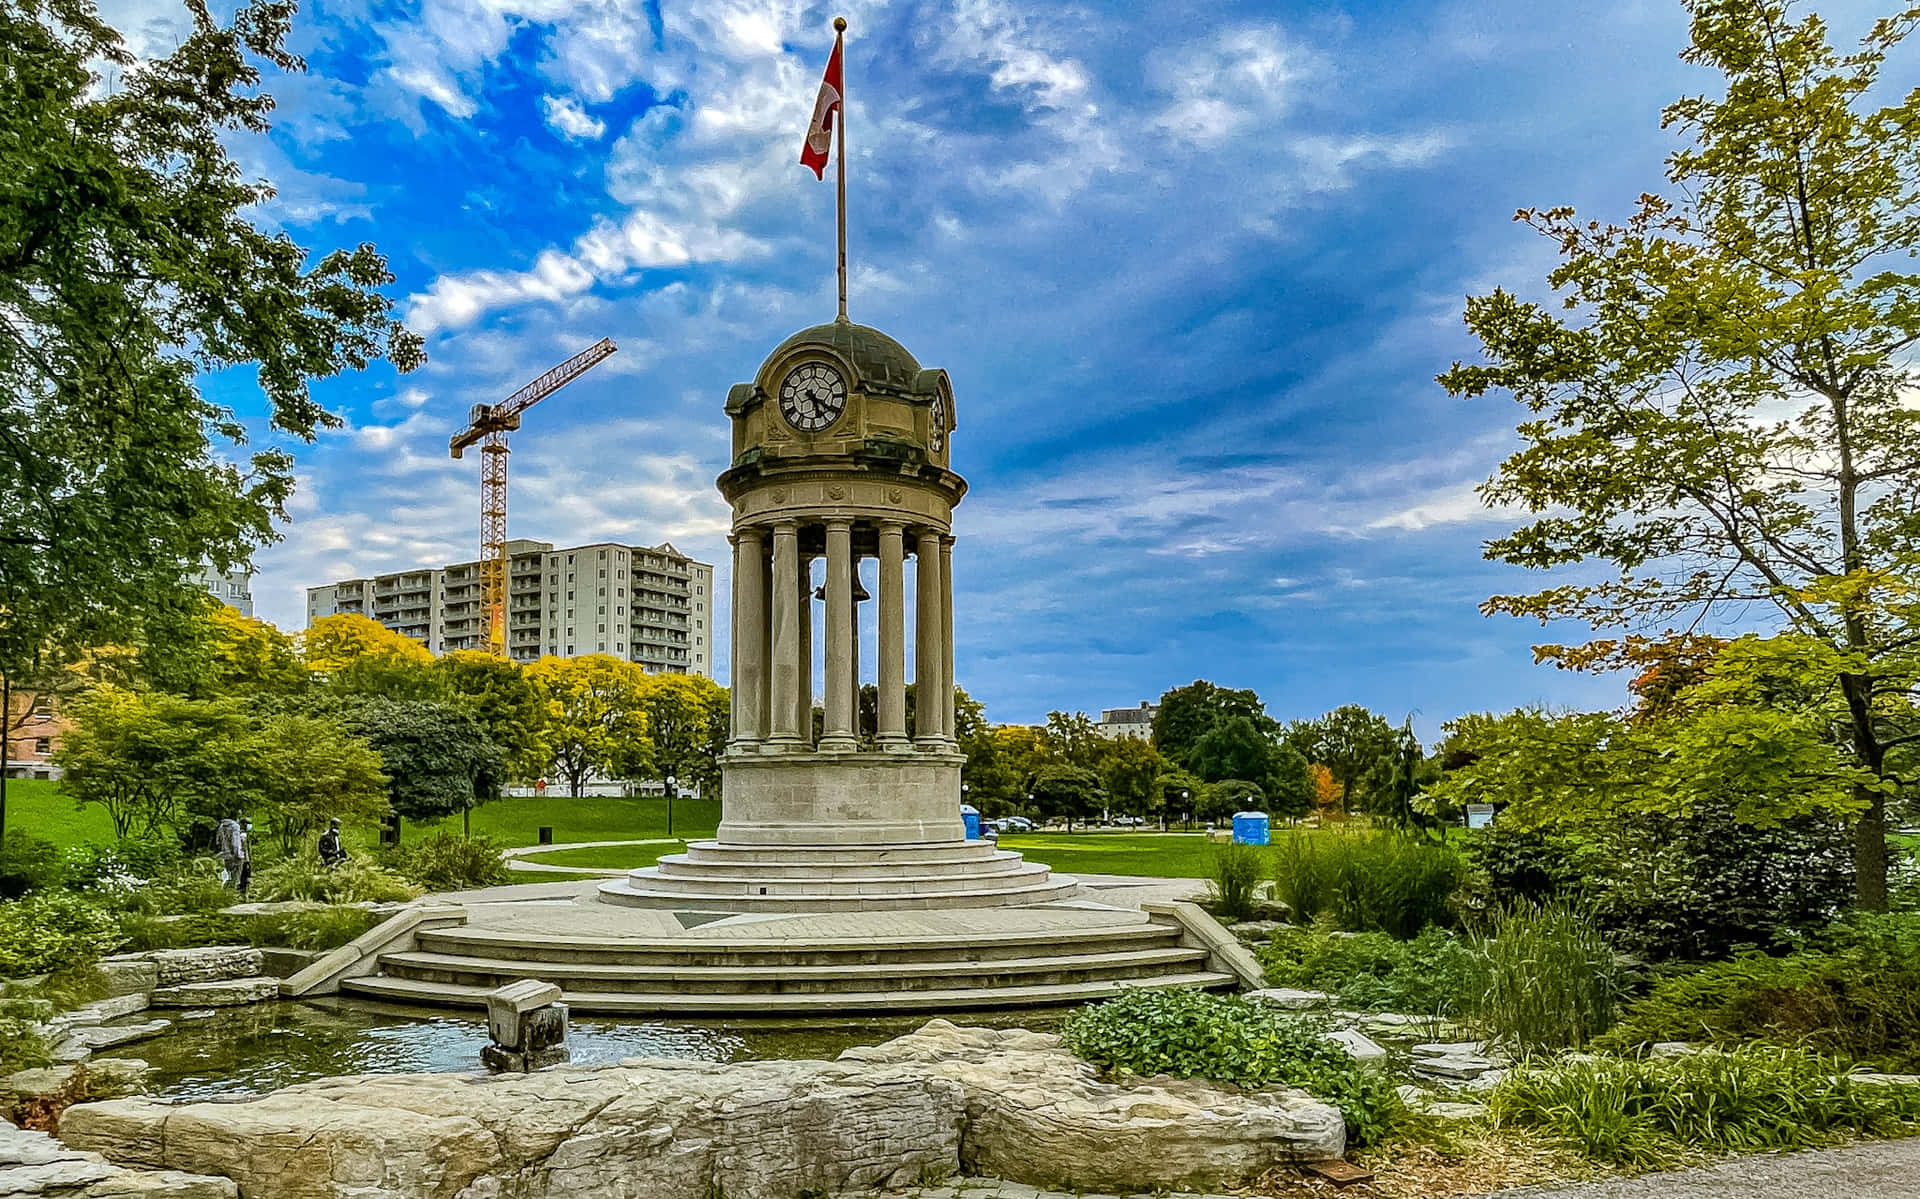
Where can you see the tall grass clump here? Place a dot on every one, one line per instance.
(1367, 881)
(1548, 979)
(1238, 871)
(1645, 1112)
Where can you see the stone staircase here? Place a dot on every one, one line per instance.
(783, 977)
(839, 878)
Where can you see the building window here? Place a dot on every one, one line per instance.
(569, 633)
(603, 647)
(569, 559)
(43, 745)
(699, 589)
(620, 647)
(569, 648)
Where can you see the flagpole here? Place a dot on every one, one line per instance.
(840, 160)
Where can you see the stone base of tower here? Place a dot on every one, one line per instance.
(835, 832)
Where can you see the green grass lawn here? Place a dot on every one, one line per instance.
(38, 808)
(592, 818)
(1166, 855)
(611, 857)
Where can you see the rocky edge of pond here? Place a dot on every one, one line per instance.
(945, 1100)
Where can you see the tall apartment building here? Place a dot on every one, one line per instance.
(648, 604)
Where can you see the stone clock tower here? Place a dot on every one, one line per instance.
(841, 451)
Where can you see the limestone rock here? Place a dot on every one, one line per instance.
(1885, 1080)
(33, 1163)
(129, 974)
(104, 1077)
(211, 963)
(106, 1036)
(1359, 1046)
(1452, 1049)
(218, 993)
(1455, 1111)
(1288, 997)
(1037, 1115)
(1455, 1066)
(1257, 930)
(114, 1008)
(1672, 1049)
(1010, 1103)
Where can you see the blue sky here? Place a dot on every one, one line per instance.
(1192, 268)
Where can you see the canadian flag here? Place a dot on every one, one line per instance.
(820, 134)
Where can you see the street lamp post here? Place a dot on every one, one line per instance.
(1185, 811)
(671, 783)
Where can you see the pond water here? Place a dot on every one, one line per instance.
(232, 1052)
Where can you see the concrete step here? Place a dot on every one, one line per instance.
(727, 883)
(839, 867)
(696, 951)
(879, 1002)
(932, 852)
(761, 980)
(642, 889)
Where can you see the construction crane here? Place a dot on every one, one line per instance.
(489, 424)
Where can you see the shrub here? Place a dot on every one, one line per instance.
(1432, 974)
(190, 886)
(1237, 873)
(53, 930)
(21, 1048)
(447, 861)
(1648, 1111)
(28, 864)
(1698, 887)
(1368, 881)
(1548, 979)
(1857, 995)
(319, 929)
(1227, 1039)
(349, 882)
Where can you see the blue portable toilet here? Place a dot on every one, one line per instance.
(1249, 828)
(970, 815)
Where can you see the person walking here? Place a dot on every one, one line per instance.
(232, 841)
(332, 853)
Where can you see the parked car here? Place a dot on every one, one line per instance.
(1014, 824)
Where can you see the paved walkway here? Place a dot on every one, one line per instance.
(1876, 1170)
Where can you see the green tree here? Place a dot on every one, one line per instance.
(687, 728)
(1187, 713)
(1129, 767)
(154, 761)
(1181, 792)
(1072, 739)
(1234, 748)
(1066, 793)
(596, 716)
(504, 700)
(1722, 414)
(1228, 796)
(1352, 743)
(129, 265)
(438, 759)
(249, 657)
(312, 770)
(1290, 784)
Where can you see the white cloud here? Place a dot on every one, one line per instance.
(1216, 88)
(566, 117)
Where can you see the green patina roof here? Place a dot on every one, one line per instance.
(877, 357)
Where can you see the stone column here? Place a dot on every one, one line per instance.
(803, 714)
(764, 696)
(838, 735)
(749, 638)
(946, 638)
(928, 656)
(786, 635)
(891, 706)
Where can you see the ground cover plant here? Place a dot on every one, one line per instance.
(1432, 974)
(517, 821)
(1238, 871)
(1856, 995)
(51, 930)
(316, 929)
(1194, 1034)
(1650, 1112)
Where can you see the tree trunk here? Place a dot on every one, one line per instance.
(1870, 826)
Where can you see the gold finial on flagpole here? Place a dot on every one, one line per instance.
(840, 164)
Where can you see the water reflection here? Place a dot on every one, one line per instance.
(251, 1050)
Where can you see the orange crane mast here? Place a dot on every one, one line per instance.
(488, 425)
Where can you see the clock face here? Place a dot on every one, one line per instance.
(812, 396)
(937, 422)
